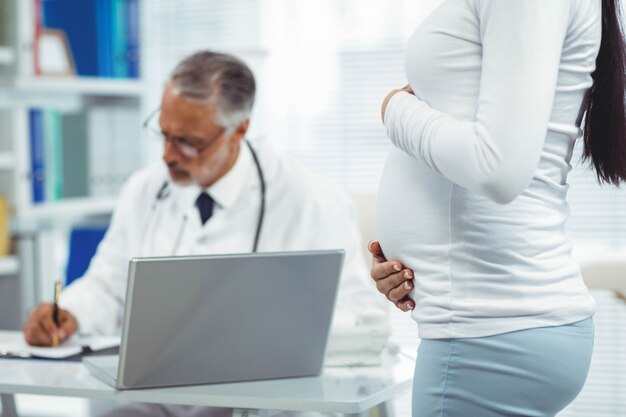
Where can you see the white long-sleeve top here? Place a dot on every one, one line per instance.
(473, 196)
(302, 213)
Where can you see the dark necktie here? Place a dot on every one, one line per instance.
(205, 207)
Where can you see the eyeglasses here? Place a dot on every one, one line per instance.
(188, 147)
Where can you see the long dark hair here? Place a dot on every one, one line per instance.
(605, 120)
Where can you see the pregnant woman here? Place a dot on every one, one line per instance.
(472, 201)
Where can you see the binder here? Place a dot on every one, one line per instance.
(126, 144)
(101, 155)
(5, 228)
(132, 37)
(120, 62)
(77, 18)
(103, 35)
(6, 29)
(104, 50)
(35, 119)
(53, 164)
(75, 155)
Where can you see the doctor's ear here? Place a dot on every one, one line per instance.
(240, 131)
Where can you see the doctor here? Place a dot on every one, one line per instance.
(214, 193)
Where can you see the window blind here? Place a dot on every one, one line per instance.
(598, 213)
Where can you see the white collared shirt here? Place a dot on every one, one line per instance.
(302, 213)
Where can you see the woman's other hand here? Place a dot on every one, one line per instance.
(392, 279)
(406, 88)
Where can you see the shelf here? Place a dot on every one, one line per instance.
(9, 265)
(6, 161)
(81, 85)
(68, 209)
(6, 55)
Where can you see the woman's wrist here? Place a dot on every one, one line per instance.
(386, 102)
(387, 99)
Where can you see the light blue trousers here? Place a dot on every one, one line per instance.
(534, 372)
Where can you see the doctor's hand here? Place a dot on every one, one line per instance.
(406, 88)
(391, 278)
(39, 329)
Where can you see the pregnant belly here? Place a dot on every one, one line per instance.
(412, 213)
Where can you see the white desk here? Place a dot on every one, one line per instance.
(353, 390)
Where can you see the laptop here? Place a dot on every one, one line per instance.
(225, 318)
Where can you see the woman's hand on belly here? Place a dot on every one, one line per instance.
(406, 88)
(391, 278)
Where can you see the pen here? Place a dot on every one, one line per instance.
(55, 311)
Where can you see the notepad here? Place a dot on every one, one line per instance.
(13, 345)
(358, 340)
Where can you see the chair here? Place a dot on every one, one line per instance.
(84, 241)
(603, 268)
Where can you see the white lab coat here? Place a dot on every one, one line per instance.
(302, 213)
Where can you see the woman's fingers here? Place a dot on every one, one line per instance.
(391, 279)
(399, 292)
(406, 304)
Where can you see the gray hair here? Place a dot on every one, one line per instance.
(213, 78)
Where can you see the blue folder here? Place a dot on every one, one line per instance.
(77, 19)
(35, 120)
(132, 38)
(104, 40)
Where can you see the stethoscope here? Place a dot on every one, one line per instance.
(164, 192)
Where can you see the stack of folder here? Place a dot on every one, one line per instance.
(91, 153)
